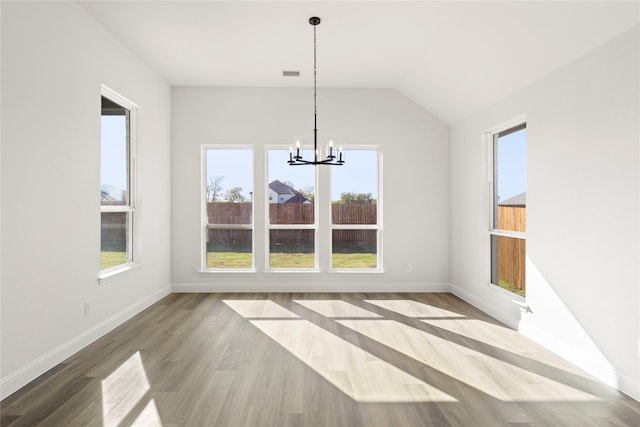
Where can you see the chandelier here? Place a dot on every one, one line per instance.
(334, 157)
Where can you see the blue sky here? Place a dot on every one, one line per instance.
(236, 166)
(512, 164)
(113, 152)
(357, 175)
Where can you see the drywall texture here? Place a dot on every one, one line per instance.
(54, 60)
(583, 236)
(415, 180)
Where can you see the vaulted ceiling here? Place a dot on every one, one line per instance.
(452, 58)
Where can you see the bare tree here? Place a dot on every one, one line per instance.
(214, 188)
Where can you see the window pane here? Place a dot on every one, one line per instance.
(354, 249)
(229, 186)
(114, 154)
(291, 190)
(510, 179)
(114, 239)
(354, 189)
(229, 248)
(508, 263)
(229, 202)
(292, 248)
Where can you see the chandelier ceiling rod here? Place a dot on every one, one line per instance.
(331, 159)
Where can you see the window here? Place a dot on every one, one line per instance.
(227, 208)
(509, 207)
(291, 213)
(355, 212)
(117, 189)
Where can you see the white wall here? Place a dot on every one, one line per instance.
(54, 60)
(583, 234)
(416, 180)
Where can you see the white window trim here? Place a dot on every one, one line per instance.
(489, 135)
(269, 226)
(378, 226)
(133, 233)
(205, 226)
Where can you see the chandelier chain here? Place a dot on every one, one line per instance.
(315, 102)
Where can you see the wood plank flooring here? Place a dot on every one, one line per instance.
(315, 360)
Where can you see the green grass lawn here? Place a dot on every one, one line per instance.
(111, 259)
(289, 260)
(354, 261)
(228, 260)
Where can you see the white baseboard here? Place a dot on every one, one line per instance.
(629, 387)
(33, 370)
(311, 287)
(606, 374)
(597, 369)
(484, 306)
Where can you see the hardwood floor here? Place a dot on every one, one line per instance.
(315, 360)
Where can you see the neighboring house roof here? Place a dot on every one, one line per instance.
(517, 200)
(282, 188)
(111, 193)
(298, 198)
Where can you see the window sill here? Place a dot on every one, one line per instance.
(226, 271)
(356, 271)
(497, 290)
(112, 274)
(308, 271)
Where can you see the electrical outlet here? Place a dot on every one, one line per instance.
(87, 308)
(409, 268)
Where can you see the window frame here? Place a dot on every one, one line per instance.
(130, 207)
(268, 226)
(378, 227)
(204, 220)
(514, 125)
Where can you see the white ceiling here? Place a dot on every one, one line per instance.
(452, 58)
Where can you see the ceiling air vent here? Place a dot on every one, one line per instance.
(291, 73)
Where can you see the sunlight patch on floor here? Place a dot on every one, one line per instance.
(335, 308)
(148, 417)
(411, 308)
(123, 389)
(357, 373)
(497, 378)
(479, 330)
(259, 309)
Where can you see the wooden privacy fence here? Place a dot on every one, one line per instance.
(301, 240)
(512, 251)
(512, 218)
(113, 231)
(291, 213)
